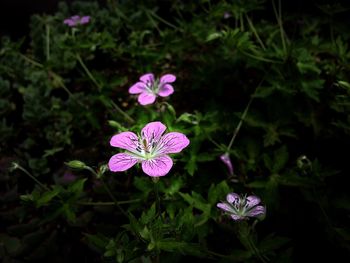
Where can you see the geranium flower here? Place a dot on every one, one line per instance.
(76, 20)
(151, 149)
(227, 161)
(242, 207)
(149, 87)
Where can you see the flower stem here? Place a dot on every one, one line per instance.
(88, 73)
(118, 109)
(17, 166)
(109, 192)
(278, 15)
(255, 32)
(109, 203)
(156, 191)
(47, 28)
(235, 132)
(31, 61)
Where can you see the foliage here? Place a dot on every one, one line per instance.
(64, 94)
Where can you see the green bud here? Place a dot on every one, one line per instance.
(76, 164)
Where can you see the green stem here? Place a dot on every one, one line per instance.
(235, 132)
(118, 109)
(31, 61)
(278, 15)
(47, 27)
(165, 22)
(156, 191)
(255, 32)
(109, 192)
(17, 166)
(88, 73)
(260, 58)
(58, 78)
(109, 203)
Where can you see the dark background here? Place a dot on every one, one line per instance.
(15, 14)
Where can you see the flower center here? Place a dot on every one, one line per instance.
(153, 86)
(147, 149)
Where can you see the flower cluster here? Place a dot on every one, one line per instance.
(149, 88)
(74, 21)
(151, 149)
(242, 207)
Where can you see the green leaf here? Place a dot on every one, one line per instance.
(148, 215)
(218, 192)
(47, 197)
(280, 159)
(77, 187)
(11, 244)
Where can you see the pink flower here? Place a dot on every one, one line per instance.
(76, 20)
(242, 207)
(149, 88)
(227, 161)
(151, 149)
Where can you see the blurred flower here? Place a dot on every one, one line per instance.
(149, 87)
(227, 15)
(151, 149)
(68, 177)
(242, 207)
(227, 161)
(76, 20)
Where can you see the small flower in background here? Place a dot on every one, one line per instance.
(149, 87)
(227, 15)
(227, 161)
(242, 207)
(151, 149)
(76, 20)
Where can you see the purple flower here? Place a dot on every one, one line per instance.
(151, 149)
(227, 161)
(76, 20)
(242, 207)
(149, 88)
(227, 15)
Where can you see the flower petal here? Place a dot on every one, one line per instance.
(69, 22)
(121, 162)
(125, 140)
(167, 78)
(224, 207)
(232, 198)
(84, 20)
(257, 211)
(153, 131)
(158, 166)
(146, 98)
(165, 90)
(172, 142)
(137, 88)
(147, 78)
(237, 217)
(227, 161)
(253, 200)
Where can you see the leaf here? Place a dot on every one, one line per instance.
(148, 215)
(11, 244)
(47, 197)
(272, 242)
(197, 201)
(77, 186)
(218, 192)
(280, 159)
